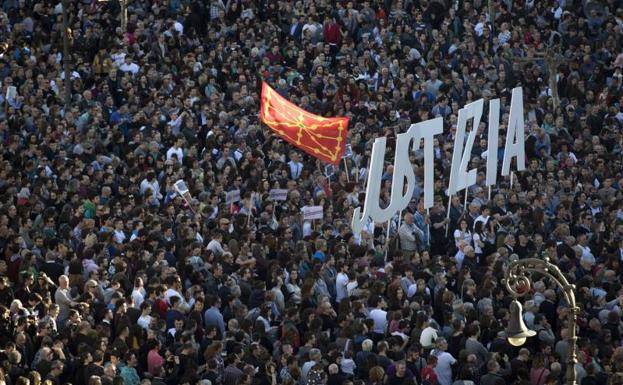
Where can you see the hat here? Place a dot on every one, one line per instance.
(223, 221)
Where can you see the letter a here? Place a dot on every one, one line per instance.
(515, 134)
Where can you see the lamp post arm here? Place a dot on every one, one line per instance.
(518, 284)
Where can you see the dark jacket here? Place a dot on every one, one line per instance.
(492, 379)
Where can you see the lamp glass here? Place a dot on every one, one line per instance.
(516, 341)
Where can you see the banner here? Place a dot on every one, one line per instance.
(312, 212)
(277, 194)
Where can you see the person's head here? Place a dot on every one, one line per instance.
(431, 361)
(95, 380)
(56, 368)
(315, 355)
(441, 344)
(408, 218)
(63, 282)
(493, 366)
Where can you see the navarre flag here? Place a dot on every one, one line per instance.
(324, 138)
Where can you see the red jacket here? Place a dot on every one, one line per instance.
(332, 33)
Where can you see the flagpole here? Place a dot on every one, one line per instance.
(448, 214)
(512, 177)
(465, 203)
(389, 226)
(428, 228)
(489, 194)
(346, 168)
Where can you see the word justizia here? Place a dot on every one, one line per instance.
(460, 177)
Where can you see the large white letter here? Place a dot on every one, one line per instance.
(403, 169)
(427, 130)
(460, 178)
(515, 134)
(373, 188)
(492, 138)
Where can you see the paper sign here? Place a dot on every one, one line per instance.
(312, 212)
(180, 187)
(277, 194)
(348, 151)
(329, 170)
(11, 92)
(232, 196)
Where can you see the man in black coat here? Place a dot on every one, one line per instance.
(51, 267)
(492, 377)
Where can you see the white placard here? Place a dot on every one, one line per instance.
(11, 92)
(180, 187)
(312, 212)
(277, 194)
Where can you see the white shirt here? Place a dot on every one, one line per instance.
(350, 286)
(587, 255)
(153, 186)
(178, 151)
(380, 320)
(119, 236)
(118, 58)
(444, 367)
(295, 169)
(340, 286)
(173, 293)
(138, 295)
(477, 248)
(459, 257)
(131, 67)
(428, 336)
(465, 236)
(481, 218)
(144, 321)
(215, 247)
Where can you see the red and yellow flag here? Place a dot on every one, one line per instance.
(324, 138)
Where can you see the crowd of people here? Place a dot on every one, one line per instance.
(108, 276)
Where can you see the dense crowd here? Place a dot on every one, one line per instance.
(109, 277)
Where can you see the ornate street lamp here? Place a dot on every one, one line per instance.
(518, 284)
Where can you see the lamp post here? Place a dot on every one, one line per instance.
(518, 284)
